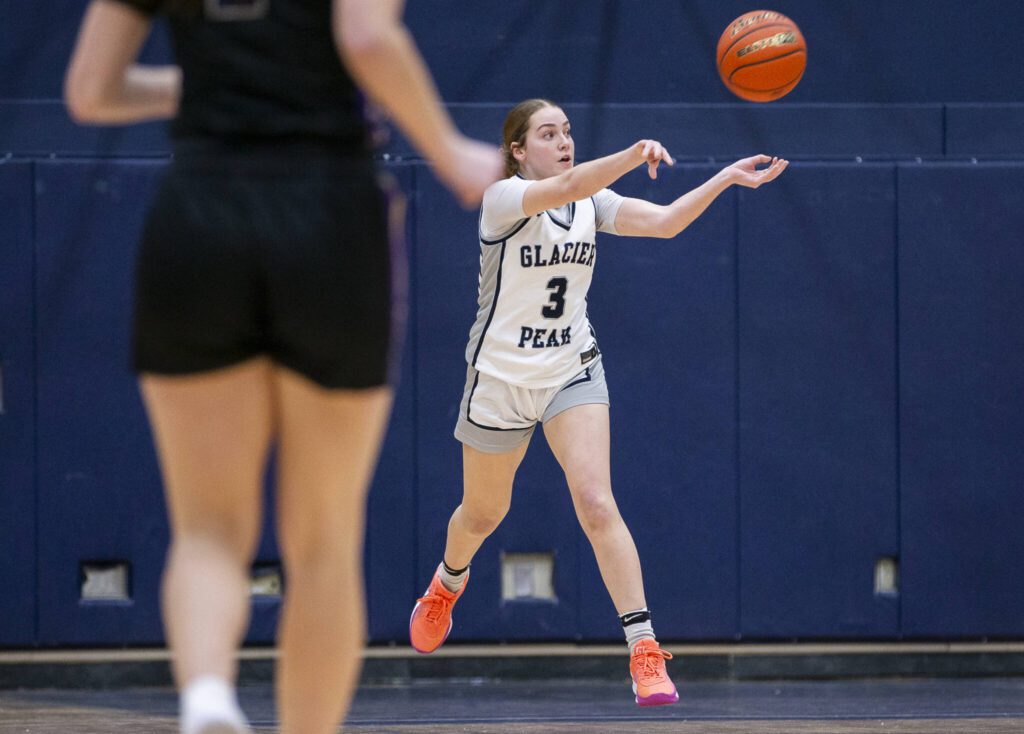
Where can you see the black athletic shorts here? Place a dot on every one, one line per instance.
(284, 254)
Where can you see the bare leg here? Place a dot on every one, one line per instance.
(329, 442)
(212, 432)
(486, 498)
(579, 438)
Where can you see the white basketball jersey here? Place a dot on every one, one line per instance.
(532, 328)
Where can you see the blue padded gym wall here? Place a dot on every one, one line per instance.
(817, 387)
(17, 409)
(391, 510)
(961, 313)
(817, 378)
(99, 492)
(873, 52)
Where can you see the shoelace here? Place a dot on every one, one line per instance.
(437, 606)
(652, 662)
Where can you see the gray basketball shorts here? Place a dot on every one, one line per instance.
(496, 417)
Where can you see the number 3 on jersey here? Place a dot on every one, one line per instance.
(557, 307)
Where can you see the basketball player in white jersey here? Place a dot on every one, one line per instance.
(532, 356)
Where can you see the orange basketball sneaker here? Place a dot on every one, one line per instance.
(431, 619)
(651, 683)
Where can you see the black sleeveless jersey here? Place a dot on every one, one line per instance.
(261, 69)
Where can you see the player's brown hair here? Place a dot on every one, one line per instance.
(517, 124)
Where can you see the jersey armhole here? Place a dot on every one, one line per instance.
(511, 231)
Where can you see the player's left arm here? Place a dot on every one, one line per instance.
(640, 218)
(103, 84)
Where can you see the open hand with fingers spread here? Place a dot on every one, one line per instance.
(745, 172)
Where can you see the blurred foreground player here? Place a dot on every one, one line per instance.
(263, 312)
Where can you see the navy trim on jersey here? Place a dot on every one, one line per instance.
(469, 407)
(494, 304)
(572, 216)
(522, 223)
(469, 403)
(586, 312)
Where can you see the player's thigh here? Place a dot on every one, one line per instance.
(212, 431)
(328, 444)
(579, 438)
(487, 478)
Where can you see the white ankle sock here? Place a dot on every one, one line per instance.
(452, 581)
(637, 632)
(637, 626)
(209, 706)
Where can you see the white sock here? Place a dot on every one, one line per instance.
(637, 632)
(637, 626)
(209, 706)
(452, 579)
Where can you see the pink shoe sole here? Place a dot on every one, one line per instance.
(658, 699)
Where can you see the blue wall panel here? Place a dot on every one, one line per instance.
(17, 409)
(817, 399)
(985, 129)
(592, 50)
(664, 311)
(391, 512)
(727, 131)
(782, 458)
(36, 41)
(99, 490)
(961, 399)
(43, 128)
(788, 130)
(701, 131)
(541, 519)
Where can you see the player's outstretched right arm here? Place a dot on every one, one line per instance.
(640, 218)
(588, 178)
(382, 57)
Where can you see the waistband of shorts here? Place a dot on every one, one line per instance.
(278, 155)
(559, 382)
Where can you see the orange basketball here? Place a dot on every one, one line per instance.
(761, 56)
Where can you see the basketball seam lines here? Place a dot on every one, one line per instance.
(752, 30)
(758, 63)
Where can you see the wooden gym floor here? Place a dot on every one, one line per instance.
(904, 706)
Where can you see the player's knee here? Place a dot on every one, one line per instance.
(596, 509)
(483, 520)
(310, 554)
(320, 540)
(236, 540)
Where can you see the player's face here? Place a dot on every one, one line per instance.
(549, 148)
